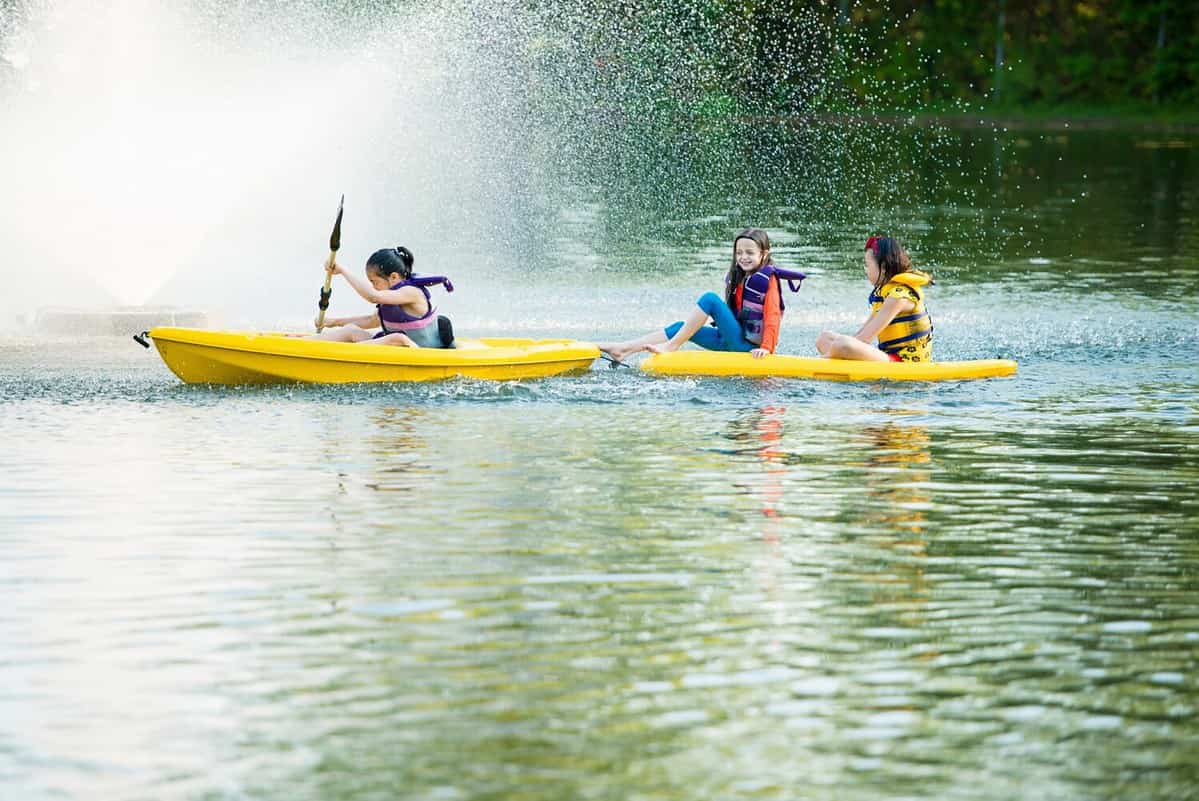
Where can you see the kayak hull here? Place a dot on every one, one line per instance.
(199, 356)
(717, 363)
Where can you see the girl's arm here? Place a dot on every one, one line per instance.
(365, 321)
(893, 306)
(772, 315)
(399, 297)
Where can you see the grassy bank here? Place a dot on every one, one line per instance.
(1033, 119)
(1076, 117)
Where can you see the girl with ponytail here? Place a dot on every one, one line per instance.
(404, 310)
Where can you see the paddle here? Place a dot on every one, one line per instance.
(613, 363)
(334, 244)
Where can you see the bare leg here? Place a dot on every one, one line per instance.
(395, 338)
(619, 350)
(840, 346)
(824, 342)
(693, 323)
(345, 333)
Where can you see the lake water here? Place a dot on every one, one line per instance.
(612, 586)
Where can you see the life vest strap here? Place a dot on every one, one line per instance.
(892, 345)
(794, 278)
(428, 280)
(910, 318)
(409, 325)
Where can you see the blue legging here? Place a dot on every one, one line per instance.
(727, 335)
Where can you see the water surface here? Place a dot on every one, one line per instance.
(613, 586)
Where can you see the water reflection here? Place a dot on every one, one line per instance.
(759, 434)
(615, 586)
(397, 448)
(898, 481)
(898, 472)
(740, 587)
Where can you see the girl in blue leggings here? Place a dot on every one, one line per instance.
(746, 319)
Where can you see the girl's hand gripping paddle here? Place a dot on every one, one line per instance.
(334, 244)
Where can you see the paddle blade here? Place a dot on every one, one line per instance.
(335, 237)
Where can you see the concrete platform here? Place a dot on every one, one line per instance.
(119, 320)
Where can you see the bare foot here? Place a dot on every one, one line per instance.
(664, 347)
(617, 351)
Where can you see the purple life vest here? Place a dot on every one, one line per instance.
(392, 315)
(753, 297)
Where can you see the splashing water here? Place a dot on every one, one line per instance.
(193, 153)
(155, 150)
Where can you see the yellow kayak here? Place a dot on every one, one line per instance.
(223, 357)
(718, 363)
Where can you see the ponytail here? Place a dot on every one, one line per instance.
(392, 260)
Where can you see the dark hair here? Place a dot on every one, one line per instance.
(392, 260)
(736, 275)
(891, 257)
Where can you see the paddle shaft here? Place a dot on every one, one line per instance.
(327, 289)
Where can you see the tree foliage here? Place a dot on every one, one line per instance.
(781, 55)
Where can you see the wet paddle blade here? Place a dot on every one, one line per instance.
(335, 237)
(327, 289)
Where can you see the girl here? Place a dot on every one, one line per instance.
(746, 319)
(404, 309)
(897, 317)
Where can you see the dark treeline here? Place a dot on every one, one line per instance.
(795, 55)
(784, 56)
(1047, 53)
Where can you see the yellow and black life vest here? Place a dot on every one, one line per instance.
(910, 335)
